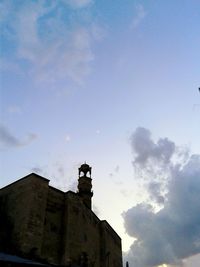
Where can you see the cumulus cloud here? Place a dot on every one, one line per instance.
(147, 150)
(8, 140)
(172, 233)
(154, 189)
(49, 47)
(154, 161)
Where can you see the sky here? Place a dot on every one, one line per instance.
(115, 84)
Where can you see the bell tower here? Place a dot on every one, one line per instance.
(85, 184)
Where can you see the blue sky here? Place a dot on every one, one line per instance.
(81, 80)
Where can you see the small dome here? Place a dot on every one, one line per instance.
(85, 168)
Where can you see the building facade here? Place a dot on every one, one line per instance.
(41, 222)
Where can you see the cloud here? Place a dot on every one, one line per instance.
(37, 170)
(98, 131)
(117, 169)
(49, 45)
(146, 150)
(78, 3)
(172, 233)
(61, 177)
(139, 16)
(115, 177)
(154, 189)
(154, 161)
(8, 140)
(14, 109)
(126, 193)
(67, 138)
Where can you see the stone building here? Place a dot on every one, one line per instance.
(42, 223)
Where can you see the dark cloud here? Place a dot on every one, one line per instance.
(154, 161)
(171, 234)
(155, 192)
(146, 150)
(8, 140)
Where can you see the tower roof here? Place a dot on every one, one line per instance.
(85, 168)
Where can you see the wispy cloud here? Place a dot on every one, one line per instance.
(37, 170)
(114, 176)
(8, 140)
(140, 14)
(14, 109)
(78, 3)
(67, 138)
(98, 131)
(49, 45)
(60, 176)
(172, 233)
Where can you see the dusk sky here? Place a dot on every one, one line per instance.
(113, 83)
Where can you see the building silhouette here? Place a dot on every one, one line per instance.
(43, 224)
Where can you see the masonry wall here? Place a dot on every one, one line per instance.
(111, 253)
(25, 204)
(52, 248)
(13, 198)
(82, 235)
(46, 223)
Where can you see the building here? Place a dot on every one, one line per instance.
(40, 222)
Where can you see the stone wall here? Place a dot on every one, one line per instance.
(46, 223)
(53, 226)
(82, 236)
(111, 253)
(21, 200)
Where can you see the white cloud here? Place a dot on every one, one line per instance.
(171, 234)
(53, 48)
(139, 16)
(60, 175)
